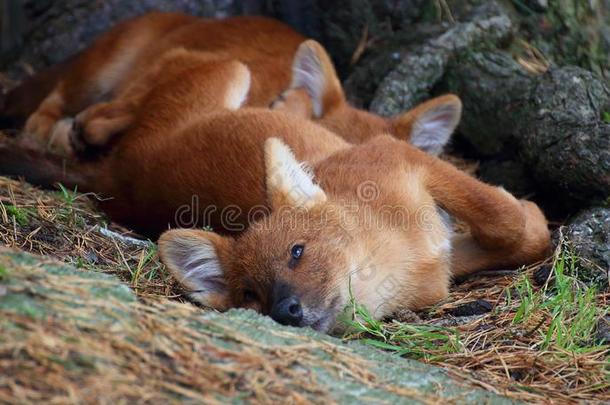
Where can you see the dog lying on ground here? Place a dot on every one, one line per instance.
(104, 87)
(325, 218)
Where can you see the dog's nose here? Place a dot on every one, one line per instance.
(287, 311)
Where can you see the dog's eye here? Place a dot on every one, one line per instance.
(297, 251)
(250, 296)
(295, 254)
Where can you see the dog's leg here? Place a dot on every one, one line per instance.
(504, 231)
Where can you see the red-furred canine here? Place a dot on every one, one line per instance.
(104, 87)
(324, 232)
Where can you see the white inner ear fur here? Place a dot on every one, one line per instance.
(194, 263)
(237, 93)
(432, 130)
(308, 73)
(289, 182)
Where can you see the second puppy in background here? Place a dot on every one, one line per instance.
(98, 94)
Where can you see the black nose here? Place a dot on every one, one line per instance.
(287, 311)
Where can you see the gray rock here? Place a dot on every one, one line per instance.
(537, 5)
(589, 235)
(401, 13)
(381, 58)
(12, 26)
(493, 89)
(361, 84)
(414, 77)
(552, 122)
(57, 30)
(602, 331)
(510, 174)
(463, 9)
(345, 23)
(410, 82)
(563, 137)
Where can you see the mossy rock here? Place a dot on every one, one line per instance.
(588, 234)
(551, 122)
(75, 336)
(415, 77)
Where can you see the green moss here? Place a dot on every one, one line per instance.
(21, 215)
(16, 304)
(75, 361)
(429, 13)
(573, 33)
(171, 341)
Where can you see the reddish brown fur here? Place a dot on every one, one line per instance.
(120, 59)
(188, 143)
(104, 86)
(316, 93)
(187, 138)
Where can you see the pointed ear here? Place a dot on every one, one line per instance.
(313, 70)
(194, 259)
(289, 182)
(294, 101)
(429, 125)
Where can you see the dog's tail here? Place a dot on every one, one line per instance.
(20, 159)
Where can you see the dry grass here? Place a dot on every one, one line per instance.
(490, 350)
(531, 58)
(536, 344)
(65, 225)
(509, 357)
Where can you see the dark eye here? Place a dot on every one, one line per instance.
(295, 255)
(297, 251)
(250, 296)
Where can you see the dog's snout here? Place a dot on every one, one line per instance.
(288, 311)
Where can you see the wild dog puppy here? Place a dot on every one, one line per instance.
(326, 234)
(333, 215)
(97, 94)
(316, 93)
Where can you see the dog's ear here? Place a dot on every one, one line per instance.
(313, 70)
(294, 101)
(289, 182)
(195, 259)
(429, 125)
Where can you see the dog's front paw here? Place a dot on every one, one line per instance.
(60, 140)
(39, 127)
